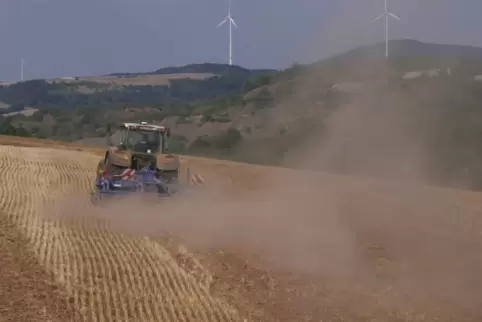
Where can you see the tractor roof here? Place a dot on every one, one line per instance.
(143, 126)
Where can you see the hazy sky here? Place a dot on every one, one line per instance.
(84, 37)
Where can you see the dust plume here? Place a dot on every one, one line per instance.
(260, 223)
(415, 240)
(359, 238)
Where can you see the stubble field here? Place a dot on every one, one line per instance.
(258, 244)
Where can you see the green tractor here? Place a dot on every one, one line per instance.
(141, 146)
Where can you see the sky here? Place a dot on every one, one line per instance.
(91, 37)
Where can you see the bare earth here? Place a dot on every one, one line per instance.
(256, 244)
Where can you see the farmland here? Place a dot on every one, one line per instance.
(107, 276)
(142, 79)
(259, 244)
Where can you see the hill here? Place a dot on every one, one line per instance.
(188, 83)
(137, 79)
(163, 76)
(412, 117)
(413, 48)
(205, 68)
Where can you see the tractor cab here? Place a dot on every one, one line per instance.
(143, 138)
(141, 146)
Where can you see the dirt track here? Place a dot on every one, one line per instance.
(319, 248)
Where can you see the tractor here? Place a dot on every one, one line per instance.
(138, 162)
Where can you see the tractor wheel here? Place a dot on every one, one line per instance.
(110, 168)
(113, 169)
(163, 189)
(100, 166)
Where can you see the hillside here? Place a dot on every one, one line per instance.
(169, 85)
(413, 48)
(413, 117)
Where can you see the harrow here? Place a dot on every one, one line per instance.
(139, 182)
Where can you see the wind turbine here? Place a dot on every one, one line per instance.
(386, 14)
(229, 19)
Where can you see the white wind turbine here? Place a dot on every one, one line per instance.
(229, 19)
(386, 14)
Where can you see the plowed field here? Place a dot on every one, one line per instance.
(258, 245)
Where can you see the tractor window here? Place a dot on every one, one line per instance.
(142, 141)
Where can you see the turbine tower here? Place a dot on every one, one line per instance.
(21, 69)
(386, 14)
(229, 19)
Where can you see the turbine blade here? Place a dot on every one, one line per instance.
(392, 15)
(378, 18)
(232, 20)
(223, 22)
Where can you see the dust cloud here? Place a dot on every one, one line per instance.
(274, 224)
(359, 238)
(415, 240)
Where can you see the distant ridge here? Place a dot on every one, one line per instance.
(204, 68)
(411, 47)
(405, 55)
(407, 48)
